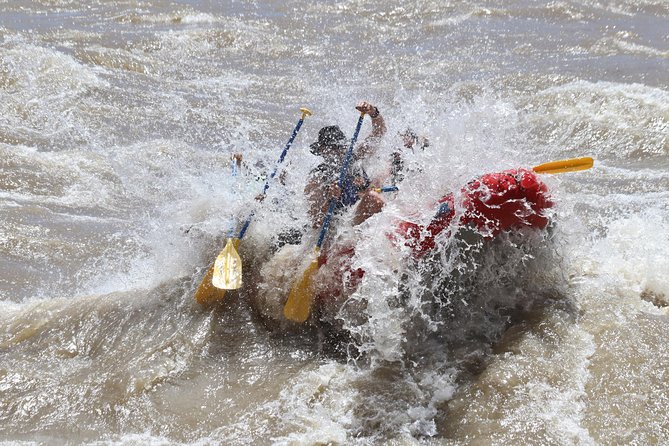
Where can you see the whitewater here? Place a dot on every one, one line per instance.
(119, 120)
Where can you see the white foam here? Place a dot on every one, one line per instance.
(318, 406)
(632, 256)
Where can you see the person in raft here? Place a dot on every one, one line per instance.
(323, 182)
(398, 166)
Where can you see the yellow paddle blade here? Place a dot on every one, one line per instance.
(228, 268)
(207, 293)
(301, 295)
(563, 166)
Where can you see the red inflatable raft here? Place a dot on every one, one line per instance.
(491, 204)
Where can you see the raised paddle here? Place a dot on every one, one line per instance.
(563, 166)
(301, 295)
(226, 271)
(228, 264)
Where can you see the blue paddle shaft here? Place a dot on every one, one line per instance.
(389, 189)
(283, 154)
(342, 177)
(242, 232)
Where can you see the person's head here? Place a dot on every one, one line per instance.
(410, 140)
(331, 142)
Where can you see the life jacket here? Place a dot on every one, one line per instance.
(350, 193)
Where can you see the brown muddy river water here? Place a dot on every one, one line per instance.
(118, 121)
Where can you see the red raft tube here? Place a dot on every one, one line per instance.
(491, 204)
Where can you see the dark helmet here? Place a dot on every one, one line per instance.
(330, 136)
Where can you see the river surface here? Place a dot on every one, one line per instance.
(118, 121)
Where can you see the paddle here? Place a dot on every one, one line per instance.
(563, 166)
(226, 271)
(301, 295)
(228, 267)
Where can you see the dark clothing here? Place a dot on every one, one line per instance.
(326, 174)
(396, 168)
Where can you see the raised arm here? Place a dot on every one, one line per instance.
(371, 142)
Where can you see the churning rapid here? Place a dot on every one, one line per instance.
(118, 123)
